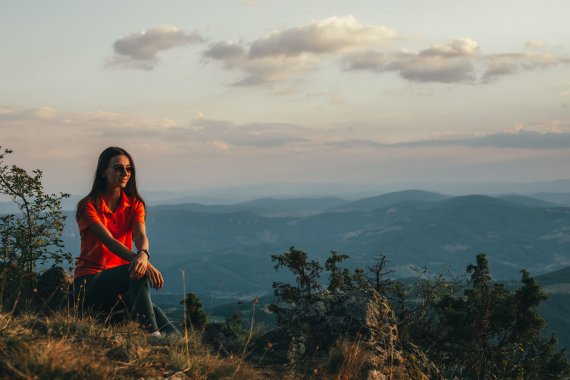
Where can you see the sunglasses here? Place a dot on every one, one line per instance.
(121, 169)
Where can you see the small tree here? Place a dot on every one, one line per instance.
(415, 304)
(492, 332)
(306, 272)
(33, 235)
(337, 279)
(377, 274)
(342, 279)
(196, 318)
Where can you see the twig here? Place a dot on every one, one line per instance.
(15, 371)
(182, 372)
(249, 336)
(185, 317)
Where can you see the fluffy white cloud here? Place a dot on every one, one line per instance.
(439, 63)
(139, 50)
(459, 48)
(258, 71)
(332, 35)
(433, 68)
(291, 52)
(456, 61)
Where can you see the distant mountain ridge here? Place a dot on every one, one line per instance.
(528, 201)
(388, 199)
(270, 207)
(226, 249)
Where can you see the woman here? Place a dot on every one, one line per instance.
(109, 219)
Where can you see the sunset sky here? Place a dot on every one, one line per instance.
(226, 93)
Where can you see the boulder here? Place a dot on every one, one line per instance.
(53, 288)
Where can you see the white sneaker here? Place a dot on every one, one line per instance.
(156, 333)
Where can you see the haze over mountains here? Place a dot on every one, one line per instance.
(225, 249)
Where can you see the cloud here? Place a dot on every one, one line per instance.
(534, 44)
(227, 135)
(550, 135)
(447, 63)
(367, 61)
(454, 62)
(517, 137)
(38, 131)
(225, 50)
(509, 64)
(51, 124)
(139, 50)
(206, 151)
(258, 71)
(464, 47)
(332, 35)
(291, 52)
(40, 113)
(50, 127)
(434, 68)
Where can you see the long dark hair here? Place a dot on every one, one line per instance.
(99, 182)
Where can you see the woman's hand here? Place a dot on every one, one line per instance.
(154, 277)
(139, 265)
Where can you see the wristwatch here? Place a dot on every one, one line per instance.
(145, 251)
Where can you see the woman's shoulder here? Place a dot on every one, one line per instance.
(136, 202)
(85, 202)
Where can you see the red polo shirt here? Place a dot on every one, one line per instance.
(95, 256)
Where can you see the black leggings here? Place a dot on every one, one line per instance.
(101, 292)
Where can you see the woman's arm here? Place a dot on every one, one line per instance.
(154, 276)
(138, 262)
(139, 236)
(141, 242)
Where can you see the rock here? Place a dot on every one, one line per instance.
(354, 329)
(120, 354)
(53, 288)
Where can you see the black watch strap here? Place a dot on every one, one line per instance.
(145, 251)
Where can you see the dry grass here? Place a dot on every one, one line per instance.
(65, 346)
(348, 360)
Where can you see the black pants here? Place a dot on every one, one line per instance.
(112, 288)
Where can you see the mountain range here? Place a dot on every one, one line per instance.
(226, 249)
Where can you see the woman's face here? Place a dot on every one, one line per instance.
(118, 172)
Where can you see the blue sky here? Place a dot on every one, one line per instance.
(226, 93)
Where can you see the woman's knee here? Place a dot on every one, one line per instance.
(140, 282)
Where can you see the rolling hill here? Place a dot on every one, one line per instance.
(229, 252)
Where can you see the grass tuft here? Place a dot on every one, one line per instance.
(348, 359)
(67, 346)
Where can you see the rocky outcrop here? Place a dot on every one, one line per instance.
(357, 331)
(53, 288)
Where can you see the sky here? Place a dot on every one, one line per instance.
(232, 93)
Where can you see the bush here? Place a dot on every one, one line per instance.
(492, 332)
(34, 234)
(196, 318)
